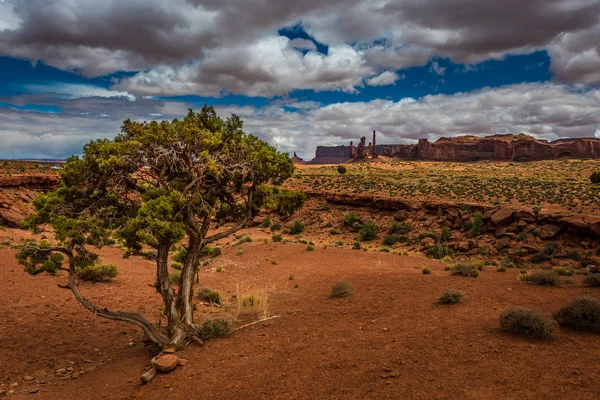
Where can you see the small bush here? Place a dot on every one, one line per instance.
(549, 278)
(595, 178)
(445, 235)
(267, 222)
(175, 277)
(426, 271)
(310, 247)
(180, 255)
(278, 237)
(368, 231)
(390, 240)
(574, 255)
(341, 169)
(527, 322)
(350, 219)
(342, 289)
(97, 272)
(297, 227)
(477, 224)
(438, 251)
(399, 229)
(465, 269)
(214, 328)
(501, 268)
(582, 314)
(356, 246)
(275, 227)
(450, 296)
(563, 271)
(210, 296)
(592, 280)
(176, 266)
(539, 257)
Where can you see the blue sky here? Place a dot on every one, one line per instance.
(299, 75)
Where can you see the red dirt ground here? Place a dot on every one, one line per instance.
(387, 341)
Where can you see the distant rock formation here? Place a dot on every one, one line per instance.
(298, 160)
(519, 147)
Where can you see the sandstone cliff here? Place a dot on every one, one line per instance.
(473, 148)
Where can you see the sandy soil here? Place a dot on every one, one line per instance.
(387, 341)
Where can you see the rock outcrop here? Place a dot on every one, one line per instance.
(17, 193)
(473, 148)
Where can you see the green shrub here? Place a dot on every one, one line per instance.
(445, 235)
(400, 229)
(539, 257)
(310, 247)
(368, 231)
(351, 219)
(278, 237)
(595, 178)
(175, 277)
(285, 202)
(501, 268)
(209, 295)
(527, 322)
(342, 289)
(390, 240)
(356, 246)
(275, 227)
(214, 328)
(426, 271)
(176, 266)
(465, 269)
(267, 222)
(548, 278)
(582, 314)
(563, 271)
(450, 296)
(97, 272)
(592, 280)
(297, 227)
(477, 224)
(341, 169)
(180, 255)
(574, 255)
(438, 251)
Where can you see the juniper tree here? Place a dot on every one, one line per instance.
(192, 181)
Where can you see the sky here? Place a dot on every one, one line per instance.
(299, 73)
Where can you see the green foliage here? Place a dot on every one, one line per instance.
(477, 224)
(548, 278)
(563, 271)
(592, 280)
(180, 255)
(445, 235)
(342, 289)
(275, 227)
(399, 229)
(341, 169)
(278, 237)
(97, 272)
(351, 219)
(595, 178)
(501, 268)
(368, 231)
(296, 227)
(438, 251)
(175, 277)
(465, 269)
(390, 240)
(356, 246)
(210, 296)
(574, 255)
(450, 296)
(310, 247)
(36, 258)
(214, 328)
(527, 322)
(176, 266)
(582, 314)
(267, 222)
(426, 271)
(284, 202)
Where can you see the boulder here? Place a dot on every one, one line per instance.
(501, 244)
(428, 242)
(11, 218)
(549, 231)
(500, 232)
(401, 216)
(521, 225)
(463, 246)
(589, 260)
(502, 217)
(166, 363)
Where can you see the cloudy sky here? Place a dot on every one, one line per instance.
(299, 73)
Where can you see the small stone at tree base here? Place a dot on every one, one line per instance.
(166, 363)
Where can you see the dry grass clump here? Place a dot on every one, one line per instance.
(450, 296)
(592, 280)
(528, 322)
(210, 296)
(251, 301)
(465, 269)
(342, 289)
(548, 278)
(214, 328)
(582, 314)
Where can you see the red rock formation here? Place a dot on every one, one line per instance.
(374, 152)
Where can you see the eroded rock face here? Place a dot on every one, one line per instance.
(473, 148)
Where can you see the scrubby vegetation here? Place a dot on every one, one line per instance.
(296, 227)
(342, 289)
(214, 328)
(592, 280)
(341, 169)
(210, 296)
(582, 314)
(450, 296)
(465, 269)
(368, 231)
(528, 322)
(548, 278)
(438, 251)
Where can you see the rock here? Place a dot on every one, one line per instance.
(34, 390)
(501, 244)
(401, 216)
(428, 242)
(521, 225)
(11, 218)
(463, 246)
(589, 260)
(549, 231)
(525, 214)
(166, 363)
(503, 216)
(28, 378)
(529, 249)
(169, 350)
(325, 224)
(500, 232)
(593, 268)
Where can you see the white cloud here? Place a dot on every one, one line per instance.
(76, 91)
(385, 78)
(435, 67)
